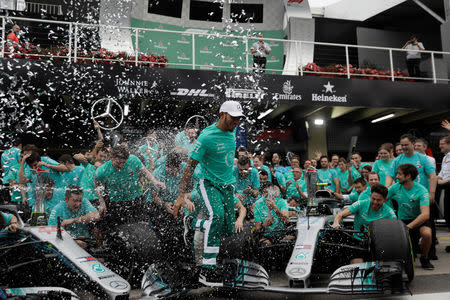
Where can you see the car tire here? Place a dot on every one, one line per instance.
(389, 241)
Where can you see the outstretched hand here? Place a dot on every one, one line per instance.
(445, 124)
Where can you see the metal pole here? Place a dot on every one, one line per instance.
(3, 37)
(75, 43)
(246, 54)
(193, 51)
(300, 49)
(70, 43)
(433, 67)
(392, 65)
(347, 59)
(136, 44)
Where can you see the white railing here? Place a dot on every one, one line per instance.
(347, 70)
(37, 8)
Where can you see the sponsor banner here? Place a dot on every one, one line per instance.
(87, 82)
(210, 50)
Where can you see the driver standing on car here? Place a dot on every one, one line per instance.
(214, 150)
(366, 211)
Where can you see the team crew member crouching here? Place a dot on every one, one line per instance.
(120, 176)
(413, 203)
(366, 211)
(75, 214)
(214, 150)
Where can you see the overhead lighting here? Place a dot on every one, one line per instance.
(383, 118)
(262, 115)
(318, 122)
(126, 109)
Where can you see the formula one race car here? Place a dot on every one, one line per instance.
(317, 249)
(48, 256)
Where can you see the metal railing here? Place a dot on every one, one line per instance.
(392, 62)
(37, 8)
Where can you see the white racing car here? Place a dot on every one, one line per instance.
(48, 256)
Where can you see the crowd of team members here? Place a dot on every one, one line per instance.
(110, 186)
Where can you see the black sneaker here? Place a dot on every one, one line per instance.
(432, 257)
(211, 277)
(426, 264)
(188, 234)
(447, 249)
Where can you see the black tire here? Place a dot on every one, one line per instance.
(389, 241)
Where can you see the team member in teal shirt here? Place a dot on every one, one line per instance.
(360, 192)
(296, 187)
(16, 188)
(383, 165)
(75, 214)
(8, 224)
(87, 180)
(413, 209)
(214, 150)
(271, 213)
(31, 161)
(10, 158)
(120, 176)
(346, 175)
(427, 174)
(74, 174)
(366, 211)
(247, 182)
(326, 175)
(258, 162)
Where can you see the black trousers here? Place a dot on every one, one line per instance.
(413, 66)
(259, 64)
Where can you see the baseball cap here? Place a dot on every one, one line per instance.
(233, 108)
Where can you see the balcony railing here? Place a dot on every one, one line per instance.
(389, 64)
(50, 9)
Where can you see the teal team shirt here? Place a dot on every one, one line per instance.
(280, 178)
(76, 229)
(420, 161)
(123, 184)
(382, 168)
(251, 180)
(409, 201)
(261, 212)
(74, 176)
(354, 196)
(364, 215)
(13, 174)
(214, 149)
(292, 190)
(343, 178)
(7, 217)
(10, 157)
(87, 182)
(170, 193)
(327, 176)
